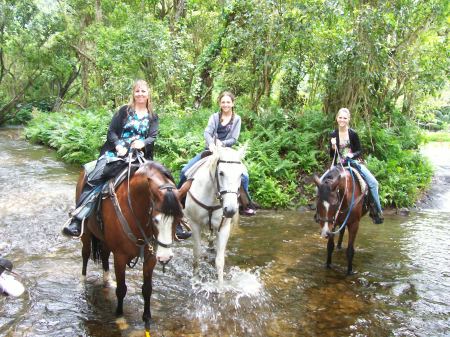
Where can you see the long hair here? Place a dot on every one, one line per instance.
(229, 94)
(132, 103)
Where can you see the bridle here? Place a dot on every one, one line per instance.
(220, 193)
(151, 242)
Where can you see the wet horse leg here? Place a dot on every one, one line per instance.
(330, 248)
(196, 247)
(341, 237)
(221, 245)
(121, 289)
(107, 281)
(149, 265)
(352, 230)
(85, 251)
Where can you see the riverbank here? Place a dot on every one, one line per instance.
(438, 196)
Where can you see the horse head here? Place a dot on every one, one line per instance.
(227, 168)
(165, 209)
(328, 200)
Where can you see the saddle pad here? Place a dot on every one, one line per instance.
(361, 180)
(190, 173)
(89, 167)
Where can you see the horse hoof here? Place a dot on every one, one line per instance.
(351, 272)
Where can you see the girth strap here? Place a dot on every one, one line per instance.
(210, 209)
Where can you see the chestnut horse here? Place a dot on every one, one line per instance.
(339, 205)
(138, 219)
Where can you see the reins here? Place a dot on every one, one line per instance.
(350, 208)
(145, 240)
(220, 193)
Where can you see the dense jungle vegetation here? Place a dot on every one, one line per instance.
(66, 65)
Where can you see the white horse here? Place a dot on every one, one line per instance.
(212, 200)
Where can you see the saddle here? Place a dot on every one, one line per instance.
(93, 201)
(244, 198)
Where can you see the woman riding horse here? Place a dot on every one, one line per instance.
(134, 126)
(223, 129)
(349, 150)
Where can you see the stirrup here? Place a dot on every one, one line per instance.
(68, 222)
(186, 231)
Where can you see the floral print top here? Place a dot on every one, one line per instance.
(135, 128)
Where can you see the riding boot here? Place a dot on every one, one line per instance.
(181, 233)
(378, 218)
(375, 214)
(74, 228)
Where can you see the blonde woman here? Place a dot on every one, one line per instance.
(346, 141)
(133, 126)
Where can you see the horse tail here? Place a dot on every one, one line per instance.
(96, 245)
(171, 205)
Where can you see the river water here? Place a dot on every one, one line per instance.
(276, 283)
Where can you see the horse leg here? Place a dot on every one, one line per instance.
(330, 248)
(221, 245)
(85, 251)
(107, 280)
(196, 248)
(350, 248)
(341, 237)
(121, 289)
(149, 265)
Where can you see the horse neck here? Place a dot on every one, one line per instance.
(346, 186)
(139, 195)
(204, 185)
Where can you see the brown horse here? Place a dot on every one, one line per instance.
(137, 220)
(339, 206)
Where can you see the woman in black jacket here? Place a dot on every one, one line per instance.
(345, 142)
(134, 126)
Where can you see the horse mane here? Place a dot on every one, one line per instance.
(170, 205)
(326, 187)
(161, 168)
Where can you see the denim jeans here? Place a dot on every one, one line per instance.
(371, 181)
(244, 180)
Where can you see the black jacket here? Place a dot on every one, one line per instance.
(116, 127)
(355, 144)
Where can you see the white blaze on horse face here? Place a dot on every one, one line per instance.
(164, 225)
(229, 175)
(325, 230)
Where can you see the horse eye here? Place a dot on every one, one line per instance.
(221, 173)
(155, 220)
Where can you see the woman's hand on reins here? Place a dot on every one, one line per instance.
(138, 144)
(121, 150)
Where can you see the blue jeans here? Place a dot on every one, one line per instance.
(245, 180)
(371, 181)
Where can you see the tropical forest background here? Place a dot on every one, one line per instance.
(67, 65)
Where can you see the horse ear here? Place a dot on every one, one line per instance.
(242, 150)
(317, 180)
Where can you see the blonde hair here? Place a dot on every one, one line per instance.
(347, 111)
(132, 102)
